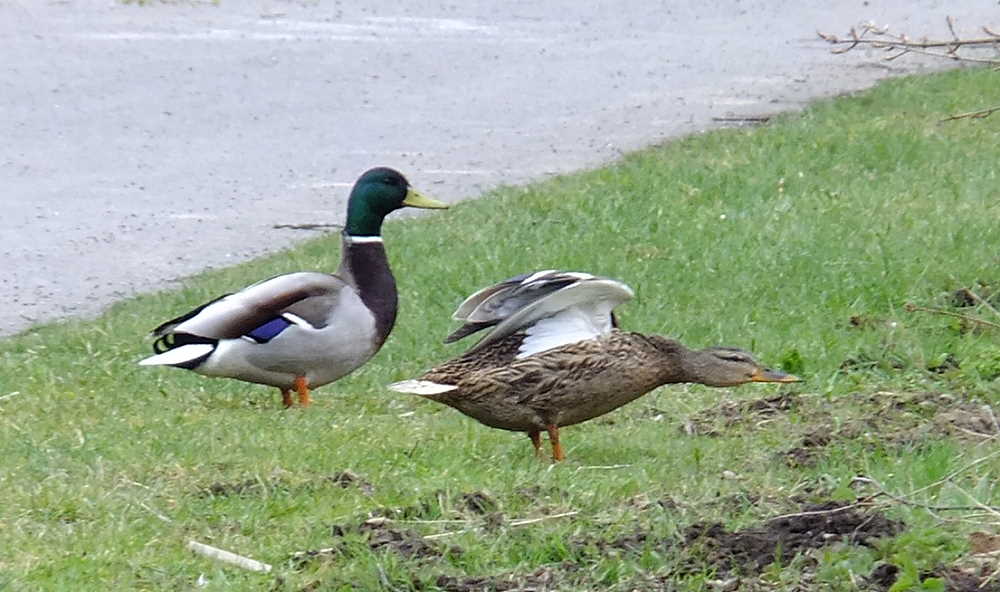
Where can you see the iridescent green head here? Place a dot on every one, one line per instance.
(376, 194)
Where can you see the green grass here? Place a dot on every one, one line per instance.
(770, 239)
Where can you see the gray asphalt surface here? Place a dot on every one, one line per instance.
(144, 143)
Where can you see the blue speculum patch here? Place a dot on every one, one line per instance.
(269, 330)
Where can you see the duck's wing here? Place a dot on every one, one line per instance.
(580, 311)
(490, 306)
(487, 307)
(491, 302)
(530, 313)
(552, 307)
(259, 312)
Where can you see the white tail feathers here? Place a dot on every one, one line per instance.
(178, 355)
(421, 387)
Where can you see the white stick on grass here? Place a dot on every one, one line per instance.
(227, 557)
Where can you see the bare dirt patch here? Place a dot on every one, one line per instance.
(975, 295)
(781, 538)
(406, 542)
(379, 536)
(479, 502)
(896, 419)
(889, 418)
(381, 530)
(348, 479)
(910, 418)
(711, 422)
(738, 556)
(808, 450)
(969, 420)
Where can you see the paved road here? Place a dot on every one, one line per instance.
(141, 144)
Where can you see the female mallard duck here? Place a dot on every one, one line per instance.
(555, 357)
(306, 329)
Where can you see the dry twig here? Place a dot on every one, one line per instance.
(228, 557)
(906, 500)
(600, 468)
(159, 515)
(957, 472)
(981, 114)
(430, 537)
(910, 307)
(881, 492)
(744, 120)
(861, 504)
(512, 523)
(992, 510)
(977, 297)
(899, 45)
(308, 226)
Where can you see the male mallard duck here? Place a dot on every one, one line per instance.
(306, 329)
(555, 357)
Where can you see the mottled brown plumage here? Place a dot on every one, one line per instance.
(553, 357)
(496, 354)
(572, 383)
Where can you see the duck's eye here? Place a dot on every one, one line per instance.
(391, 181)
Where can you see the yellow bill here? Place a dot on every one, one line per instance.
(415, 199)
(768, 375)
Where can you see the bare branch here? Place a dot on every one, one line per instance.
(910, 307)
(951, 27)
(981, 114)
(876, 37)
(994, 511)
(881, 491)
(979, 298)
(861, 504)
(309, 226)
(957, 472)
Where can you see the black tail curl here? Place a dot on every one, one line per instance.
(175, 340)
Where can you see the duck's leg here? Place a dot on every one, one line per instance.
(302, 388)
(536, 441)
(286, 398)
(557, 451)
